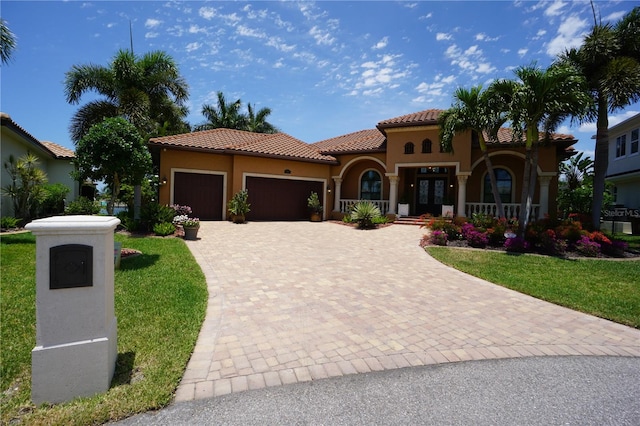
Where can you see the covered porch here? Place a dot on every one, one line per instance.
(414, 190)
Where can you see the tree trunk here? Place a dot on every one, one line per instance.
(137, 201)
(533, 176)
(522, 216)
(494, 185)
(601, 161)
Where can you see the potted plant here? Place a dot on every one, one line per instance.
(191, 226)
(238, 206)
(403, 206)
(313, 202)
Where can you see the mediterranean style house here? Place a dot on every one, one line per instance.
(54, 160)
(398, 164)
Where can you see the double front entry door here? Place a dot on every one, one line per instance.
(430, 195)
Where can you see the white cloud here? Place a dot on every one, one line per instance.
(522, 52)
(427, 16)
(151, 34)
(484, 37)
(555, 9)
(614, 17)
(280, 45)
(245, 31)
(193, 46)
(570, 34)
(152, 23)
(381, 44)
(207, 12)
(195, 29)
(321, 37)
(448, 79)
(485, 68)
(443, 36)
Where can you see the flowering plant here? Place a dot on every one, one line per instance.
(186, 221)
(587, 247)
(191, 222)
(179, 219)
(438, 238)
(516, 245)
(477, 239)
(181, 210)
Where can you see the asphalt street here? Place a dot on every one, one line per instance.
(572, 390)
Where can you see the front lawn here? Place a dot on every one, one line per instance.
(160, 303)
(605, 288)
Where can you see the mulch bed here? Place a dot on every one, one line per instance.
(628, 254)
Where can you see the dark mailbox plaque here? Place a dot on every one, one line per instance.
(70, 266)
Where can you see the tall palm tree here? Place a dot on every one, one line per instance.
(226, 115)
(148, 91)
(609, 59)
(480, 112)
(257, 122)
(7, 42)
(540, 100)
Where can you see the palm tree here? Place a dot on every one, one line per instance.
(257, 122)
(226, 115)
(480, 112)
(148, 91)
(7, 42)
(609, 60)
(540, 100)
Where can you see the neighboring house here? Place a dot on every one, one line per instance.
(54, 160)
(624, 162)
(400, 160)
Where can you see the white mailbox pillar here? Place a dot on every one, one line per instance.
(76, 330)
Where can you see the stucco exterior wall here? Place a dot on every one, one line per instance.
(397, 138)
(57, 170)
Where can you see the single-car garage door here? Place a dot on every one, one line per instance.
(280, 199)
(200, 191)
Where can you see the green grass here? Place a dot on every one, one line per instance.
(605, 288)
(160, 302)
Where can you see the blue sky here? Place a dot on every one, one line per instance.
(325, 68)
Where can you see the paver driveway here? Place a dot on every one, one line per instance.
(297, 301)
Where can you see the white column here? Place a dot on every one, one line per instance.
(462, 193)
(76, 329)
(336, 197)
(393, 193)
(544, 182)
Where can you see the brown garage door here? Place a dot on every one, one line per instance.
(280, 199)
(202, 192)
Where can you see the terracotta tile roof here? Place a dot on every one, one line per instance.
(279, 145)
(505, 137)
(371, 140)
(55, 150)
(421, 118)
(58, 150)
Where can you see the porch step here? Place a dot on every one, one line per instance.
(409, 220)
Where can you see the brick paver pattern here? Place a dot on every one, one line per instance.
(296, 301)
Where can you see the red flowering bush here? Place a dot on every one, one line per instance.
(586, 247)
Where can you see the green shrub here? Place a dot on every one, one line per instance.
(448, 226)
(9, 222)
(54, 196)
(482, 220)
(163, 229)
(364, 213)
(381, 220)
(82, 205)
(153, 213)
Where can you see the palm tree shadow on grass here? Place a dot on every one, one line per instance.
(139, 262)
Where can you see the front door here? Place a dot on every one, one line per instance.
(430, 195)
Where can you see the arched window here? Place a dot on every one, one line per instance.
(371, 186)
(426, 146)
(504, 181)
(408, 148)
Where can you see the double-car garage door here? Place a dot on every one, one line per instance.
(270, 198)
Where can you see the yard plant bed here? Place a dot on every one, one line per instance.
(160, 302)
(600, 287)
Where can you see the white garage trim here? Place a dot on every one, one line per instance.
(202, 172)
